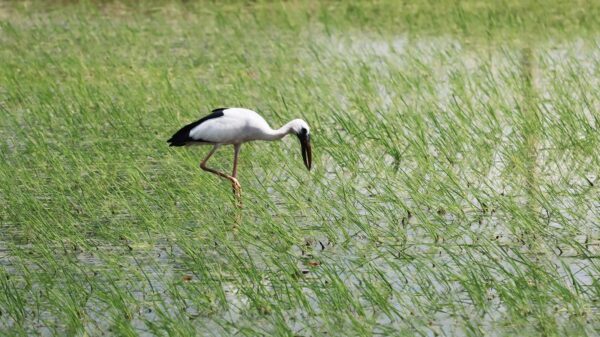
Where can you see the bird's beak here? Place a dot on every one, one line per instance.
(306, 150)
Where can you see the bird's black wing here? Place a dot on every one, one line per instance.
(182, 137)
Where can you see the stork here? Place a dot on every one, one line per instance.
(235, 126)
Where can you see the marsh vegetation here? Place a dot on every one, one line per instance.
(454, 191)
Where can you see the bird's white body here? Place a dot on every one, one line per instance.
(239, 125)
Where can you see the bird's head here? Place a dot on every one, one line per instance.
(301, 129)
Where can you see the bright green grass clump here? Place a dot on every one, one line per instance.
(455, 188)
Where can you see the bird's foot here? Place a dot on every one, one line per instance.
(237, 191)
(236, 185)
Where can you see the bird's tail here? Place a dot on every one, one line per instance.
(175, 142)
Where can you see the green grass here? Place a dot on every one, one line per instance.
(454, 189)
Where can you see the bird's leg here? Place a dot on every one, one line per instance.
(234, 181)
(208, 169)
(236, 153)
(237, 188)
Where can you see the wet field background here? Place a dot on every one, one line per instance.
(454, 189)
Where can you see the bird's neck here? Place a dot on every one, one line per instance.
(279, 133)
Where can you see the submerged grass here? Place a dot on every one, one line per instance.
(455, 189)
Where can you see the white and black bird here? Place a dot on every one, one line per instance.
(234, 126)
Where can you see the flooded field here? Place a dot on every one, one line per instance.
(455, 188)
